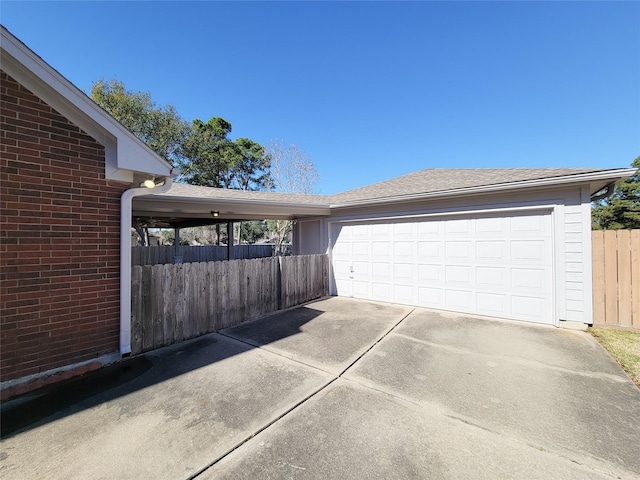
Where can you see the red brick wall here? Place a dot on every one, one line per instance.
(59, 240)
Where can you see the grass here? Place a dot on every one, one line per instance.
(624, 347)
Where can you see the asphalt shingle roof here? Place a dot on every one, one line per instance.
(446, 179)
(193, 191)
(431, 180)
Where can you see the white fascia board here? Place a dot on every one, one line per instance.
(42, 80)
(611, 175)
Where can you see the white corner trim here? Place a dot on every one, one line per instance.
(587, 257)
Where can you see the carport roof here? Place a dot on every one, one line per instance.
(186, 203)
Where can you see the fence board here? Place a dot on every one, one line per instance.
(624, 277)
(175, 302)
(169, 313)
(147, 311)
(136, 310)
(611, 274)
(597, 246)
(157, 305)
(635, 278)
(616, 278)
(178, 300)
(211, 297)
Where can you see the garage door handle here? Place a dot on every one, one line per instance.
(351, 268)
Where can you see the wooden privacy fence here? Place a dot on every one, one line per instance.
(616, 278)
(175, 302)
(153, 255)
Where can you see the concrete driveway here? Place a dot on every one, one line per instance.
(340, 388)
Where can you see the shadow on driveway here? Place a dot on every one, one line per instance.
(127, 376)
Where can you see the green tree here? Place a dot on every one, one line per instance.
(212, 159)
(253, 230)
(208, 154)
(621, 210)
(160, 127)
(250, 170)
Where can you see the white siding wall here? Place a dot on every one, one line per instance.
(308, 238)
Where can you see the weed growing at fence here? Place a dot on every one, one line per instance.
(624, 347)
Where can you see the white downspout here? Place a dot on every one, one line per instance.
(125, 258)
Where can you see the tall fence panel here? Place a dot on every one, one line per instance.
(174, 302)
(616, 278)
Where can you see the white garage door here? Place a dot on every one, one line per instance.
(489, 265)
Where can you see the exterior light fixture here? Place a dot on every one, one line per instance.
(215, 213)
(149, 182)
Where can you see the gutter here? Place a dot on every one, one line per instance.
(125, 256)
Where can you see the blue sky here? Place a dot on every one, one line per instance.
(371, 90)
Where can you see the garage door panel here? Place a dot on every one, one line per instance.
(361, 249)
(361, 232)
(490, 227)
(458, 227)
(361, 289)
(528, 225)
(492, 304)
(404, 294)
(430, 274)
(381, 291)
(498, 266)
(431, 297)
(491, 277)
(342, 250)
(430, 229)
(430, 251)
(341, 268)
(381, 250)
(343, 286)
(529, 308)
(361, 269)
(492, 251)
(380, 230)
(459, 300)
(404, 273)
(404, 230)
(458, 251)
(457, 276)
(404, 251)
(529, 251)
(381, 271)
(528, 279)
